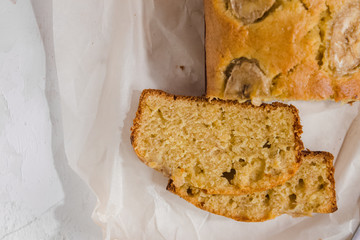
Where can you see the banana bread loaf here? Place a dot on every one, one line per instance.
(285, 50)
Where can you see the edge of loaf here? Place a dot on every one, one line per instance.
(295, 51)
(166, 142)
(258, 207)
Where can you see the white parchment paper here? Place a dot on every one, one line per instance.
(107, 52)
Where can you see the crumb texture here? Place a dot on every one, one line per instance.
(218, 146)
(311, 190)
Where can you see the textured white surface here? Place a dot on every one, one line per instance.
(107, 52)
(40, 196)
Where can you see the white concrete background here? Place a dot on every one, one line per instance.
(40, 196)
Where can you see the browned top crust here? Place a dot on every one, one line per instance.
(307, 50)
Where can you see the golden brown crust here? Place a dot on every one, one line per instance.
(297, 133)
(328, 158)
(289, 46)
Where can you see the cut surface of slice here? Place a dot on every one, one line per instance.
(311, 190)
(222, 147)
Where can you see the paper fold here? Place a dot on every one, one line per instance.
(107, 52)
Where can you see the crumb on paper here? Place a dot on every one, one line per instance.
(182, 67)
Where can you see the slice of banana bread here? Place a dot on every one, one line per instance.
(222, 147)
(311, 190)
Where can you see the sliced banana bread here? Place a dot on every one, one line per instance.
(311, 190)
(222, 147)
